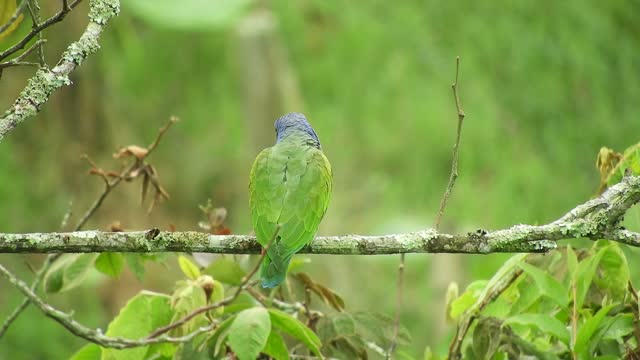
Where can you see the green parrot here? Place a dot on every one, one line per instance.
(290, 185)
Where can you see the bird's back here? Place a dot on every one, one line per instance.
(290, 184)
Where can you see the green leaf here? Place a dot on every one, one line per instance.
(226, 271)
(216, 341)
(486, 338)
(619, 327)
(110, 264)
(545, 323)
(297, 263)
(141, 315)
(249, 332)
(584, 276)
(136, 264)
(586, 330)
(88, 352)
(547, 284)
(527, 297)
(188, 297)
(467, 299)
(189, 269)
(614, 275)
(188, 14)
(68, 272)
(242, 302)
(572, 262)
(275, 347)
(380, 327)
(295, 328)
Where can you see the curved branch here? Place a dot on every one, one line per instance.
(595, 219)
(46, 81)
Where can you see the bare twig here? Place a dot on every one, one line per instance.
(443, 203)
(109, 186)
(244, 284)
(34, 11)
(18, 60)
(454, 161)
(45, 81)
(37, 29)
(89, 334)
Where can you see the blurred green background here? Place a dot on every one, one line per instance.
(544, 84)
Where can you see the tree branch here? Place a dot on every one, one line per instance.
(46, 81)
(596, 219)
(89, 334)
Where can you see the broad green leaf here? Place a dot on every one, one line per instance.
(242, 302)
(110, 263)
(547, 284)
(188, 297)
(586, 330)
(545, 323)
(249, 332)
(216, 341)
(226, 271)
(141, 315)
(613, 276)
(380, 327)
(486, 338)
(189, 269)
(584, 276)
(7, 10)
(467, 299)
(188, 14)
(275, 347)
(344, 324)
(618, 327)
(136, 264)
(88, 352)
(297, 263)
(68, 272)
(528, 296)
(295, 328)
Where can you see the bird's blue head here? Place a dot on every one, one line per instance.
(296, 124)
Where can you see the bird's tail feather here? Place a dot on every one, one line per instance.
(273, 273)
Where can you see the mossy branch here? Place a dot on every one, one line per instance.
(40, 87)
(596, 219)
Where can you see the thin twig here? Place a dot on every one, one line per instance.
(14, 17)
(34, 11)
(109, 186)
(500, 282)
(443, 203)
(454, 161)
(18, 60)
(94, 336)
(227, 301)
(39, 28)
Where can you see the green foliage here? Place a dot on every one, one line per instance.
(110, 264)
(226, 270)
(577, 304)
(189, 269)
(249, 332)
(142, 314)
(68, 272)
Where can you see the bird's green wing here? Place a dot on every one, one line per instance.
(290, 186)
